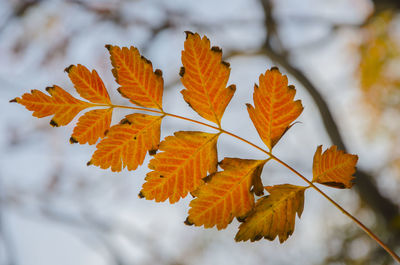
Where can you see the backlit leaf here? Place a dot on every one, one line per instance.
(180, 168)
(136, 78)
(334, 168)
(274, 106)
(205, 77)
(226, 195)
(273, 215)
(60, 103)
(88, 84)
(127, 143)
(92, 126)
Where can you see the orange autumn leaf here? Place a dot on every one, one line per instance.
(273, 215)
(60, 103)
(205, 77)
(91, 126)
(226, 195)
(334, 167)
(274, 106)
(127, 143)
(88, 84)
(180, 168)
(136, 78)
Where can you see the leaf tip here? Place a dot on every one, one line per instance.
(158, 72)
(89, 163)
(72, 140)
(50, 89)
(187, 222)
(68, 69)
(54, 123)
(188, 33)
(274, 68)
(232, 87)
(108, 46)
(141, 195)
(14, 100)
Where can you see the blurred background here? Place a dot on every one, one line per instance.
(342, 56)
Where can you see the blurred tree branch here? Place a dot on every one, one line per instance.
(365, 183)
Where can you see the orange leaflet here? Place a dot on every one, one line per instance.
(135, 74)
(92, 126)
(64, 106)
(88, 84)
(274, 108)
(205, 77)
(226, 195)
(334, 168)
(127, 143)
(186, 159)
(273, 215)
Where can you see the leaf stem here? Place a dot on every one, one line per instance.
(354, 219)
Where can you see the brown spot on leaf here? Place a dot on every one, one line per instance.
(338, 185)
(146, 60)
(152, 152)
(208, 178)
(226, 64)
(125, 121)
(216, 49)
(241, 219)
(182, 71)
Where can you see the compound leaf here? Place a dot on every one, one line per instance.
(88, 84)
(226, 195)
(274, 106)
(205, 77)
(273, 215)
(180, 168)
(91, 126)
(60, 103)
(127, 143)
(334, 168)
(134, 73)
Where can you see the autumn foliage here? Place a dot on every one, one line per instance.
(187, 162)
